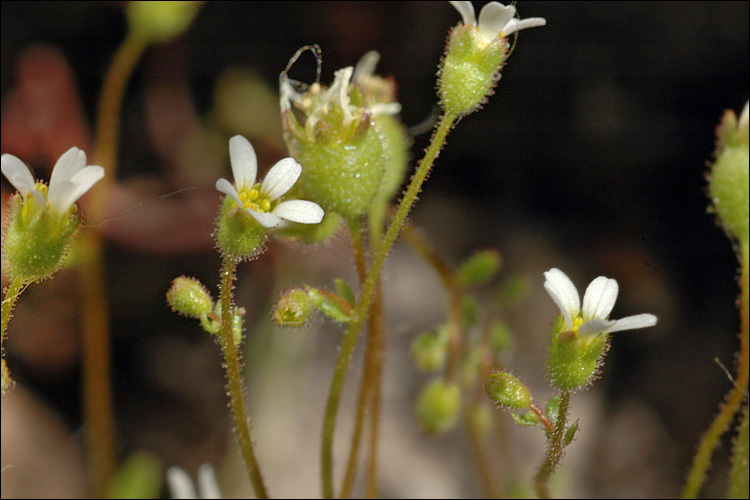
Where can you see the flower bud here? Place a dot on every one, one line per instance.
(160, 21)
(506, 390)
(292, 308)
(430, 349)
(480, 418)
(728, 186)
(438, 406)
(189, 297)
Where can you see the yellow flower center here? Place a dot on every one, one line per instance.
(577, 322)
(255, 200)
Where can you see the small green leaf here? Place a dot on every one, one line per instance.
(343, 288)
(501, 337)
(553, 408)
(570, 433)
(331, 304)
(528, 419)
(479, 268)
(139, 476)
(512, 290)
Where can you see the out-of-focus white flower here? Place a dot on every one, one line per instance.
(598, 302)
(495, 19)
(261, 200)
(181, 485)
(70, 180)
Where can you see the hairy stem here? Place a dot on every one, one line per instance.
(554, 448)
(733, 400)
(355, 229)
(9, 300)
(363, 305)
(234, 378)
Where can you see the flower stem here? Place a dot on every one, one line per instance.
(374, 369)
(554, 448)
(234, 379)
(97, 389)
(735, 397)
(363, 305)
(9, 300)
(355, 229)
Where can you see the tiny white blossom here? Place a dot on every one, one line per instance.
(260, 200)
(70, 179)
(181, 486)
(598, 302)
(495, 19)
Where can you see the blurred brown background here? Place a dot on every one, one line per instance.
(591, 157)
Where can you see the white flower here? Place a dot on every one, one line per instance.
(70, 179)
(260, 200)
(496, 20)
(598, 302)
(181, 486)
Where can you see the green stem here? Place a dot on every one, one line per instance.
(352, 334)
(9, 300)
(355, 229)
(735, 397)
(97, 387)
(554, 448)
(481, 457)
(232, 363)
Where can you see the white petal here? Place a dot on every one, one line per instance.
(20, 177)
(384, 108)
(287, 93)
(564, 293)
(600, 298)
(265, 219)
(302, 211)
(228, 189)
(339, 91)
(595, 326)
(281, 178)
(69, 164)
(494, 17)
(244, 162)
(366, 66)
(67, 192)
(207, 483)
(521, 24)
(466, 9)
(742, 122)
(180, 484)
(633, 322)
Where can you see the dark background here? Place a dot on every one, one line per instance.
(591, 157)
